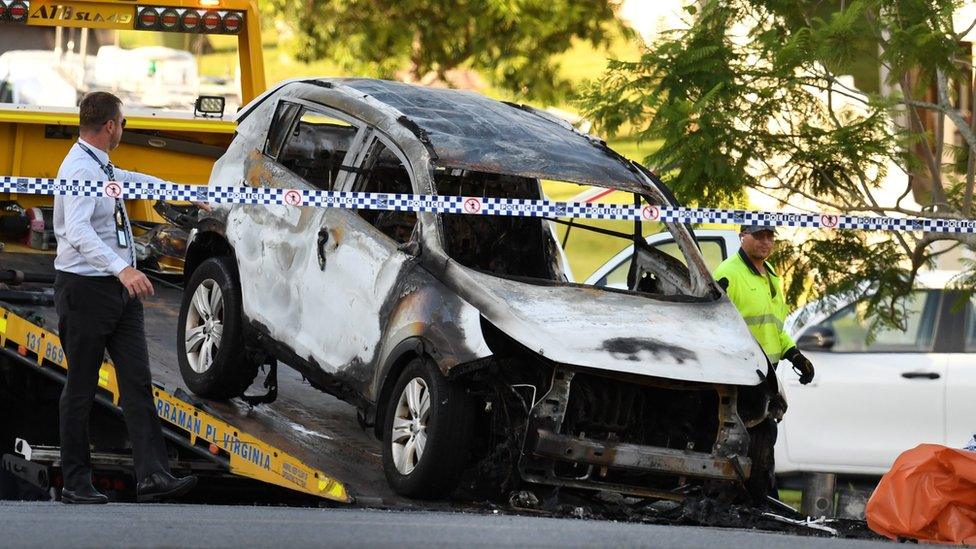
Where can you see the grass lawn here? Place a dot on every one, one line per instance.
(791, 498)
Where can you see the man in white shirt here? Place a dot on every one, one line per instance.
(98, 294)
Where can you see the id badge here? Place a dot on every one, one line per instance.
(120, 233)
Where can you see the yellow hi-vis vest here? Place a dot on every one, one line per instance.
(760, 301)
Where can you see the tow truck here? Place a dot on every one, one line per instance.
(300, 446)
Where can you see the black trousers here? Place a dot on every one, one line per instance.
(95, 314)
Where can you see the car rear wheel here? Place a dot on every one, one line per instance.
(213, 361)
(428, 426)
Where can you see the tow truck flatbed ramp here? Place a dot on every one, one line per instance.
(306, 440)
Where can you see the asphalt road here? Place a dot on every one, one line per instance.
(130, 525)
(313, 426)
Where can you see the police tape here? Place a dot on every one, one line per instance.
(471, 205)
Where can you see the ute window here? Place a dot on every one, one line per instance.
(382, 171)
(713, 250)
(971, 325)
(852, 329)
(315, 148)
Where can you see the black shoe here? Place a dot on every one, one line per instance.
(87, 495)
(159, 486)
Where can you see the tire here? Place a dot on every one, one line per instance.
(762, 480)
(216, 364)
(8, 486)
(446, 426)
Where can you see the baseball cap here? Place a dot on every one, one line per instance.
(750, 229)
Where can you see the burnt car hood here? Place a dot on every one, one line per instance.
(620, 332)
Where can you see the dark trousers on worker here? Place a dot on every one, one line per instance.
(95, 314)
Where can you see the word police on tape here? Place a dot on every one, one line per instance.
(471, 205)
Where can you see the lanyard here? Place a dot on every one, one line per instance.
(108, 171)
(121, 223)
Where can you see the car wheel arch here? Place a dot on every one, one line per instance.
(398, 359)
(208, 242)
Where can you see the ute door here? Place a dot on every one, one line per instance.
(961, 378)
(870, 400)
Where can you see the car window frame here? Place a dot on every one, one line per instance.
(371, 137)
(275, 132)
(955, 341)
(934, 345)
(355, 148)
(602, 281)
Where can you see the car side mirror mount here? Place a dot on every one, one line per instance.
(818, 338)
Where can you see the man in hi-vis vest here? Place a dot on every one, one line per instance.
(757, 292)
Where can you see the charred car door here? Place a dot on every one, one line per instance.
(307, 147)
(349, 284)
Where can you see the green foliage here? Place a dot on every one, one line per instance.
(511, 42)
(848, 263)
(748, 97)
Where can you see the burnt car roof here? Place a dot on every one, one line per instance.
(468, 130)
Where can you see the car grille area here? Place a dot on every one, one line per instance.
(602, 408)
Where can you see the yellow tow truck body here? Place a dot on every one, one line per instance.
(176, 146)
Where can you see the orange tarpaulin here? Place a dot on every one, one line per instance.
(929, 494)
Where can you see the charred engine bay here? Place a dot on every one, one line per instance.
(603, 408)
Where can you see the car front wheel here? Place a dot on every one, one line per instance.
(213, 361)
(428, 426)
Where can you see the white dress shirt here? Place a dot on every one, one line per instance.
(85, 225)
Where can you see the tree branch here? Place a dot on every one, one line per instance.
(953, 114)
(855, 97)
(962, 35)
(916, 123)
(967, 201)
(939, 136)
(918, 255)
(965, 129)
(908, 189)
(961, 125)
(804, 194)
(862, 178)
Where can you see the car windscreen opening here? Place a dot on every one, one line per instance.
(536, 247)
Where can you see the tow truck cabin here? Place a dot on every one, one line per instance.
(167, 136)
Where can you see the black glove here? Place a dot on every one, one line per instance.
(801, 365)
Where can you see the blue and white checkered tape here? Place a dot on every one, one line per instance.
(472, 205)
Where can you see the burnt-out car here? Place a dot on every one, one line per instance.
(462, 338)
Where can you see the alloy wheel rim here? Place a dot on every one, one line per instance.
(410, 420)
(204, 326)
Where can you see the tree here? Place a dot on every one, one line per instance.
(512, 42)
(749, 96)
